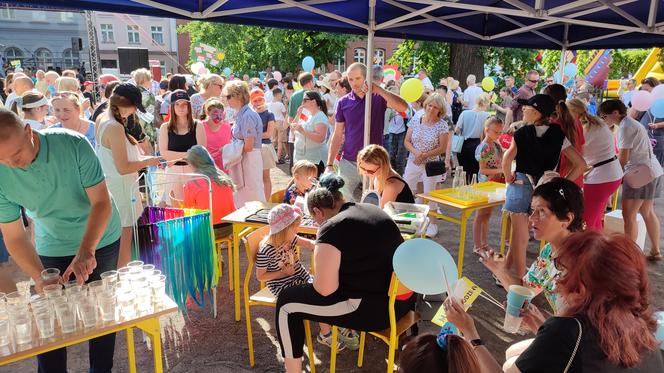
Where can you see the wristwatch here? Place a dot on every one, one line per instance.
(476, 342)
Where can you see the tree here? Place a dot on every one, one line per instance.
(250, 49)
(411, 56)
(502, 62)
(466, 59)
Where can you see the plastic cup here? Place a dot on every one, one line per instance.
(126, 302)
(45, 321)
(15, 298)
(95, 287)
(75, 289)
(50, 275)
(158, 286)
(135, 266)
(4, 329)
(124, 274)
(148, 268)
(518, 297)
(139, 282)
(70, 283)
(3, 302)
(109, 278)
(53, 290)
(107, 301)
(66, 313)
(40, 303)
(87, 307)
(143, 300)
(22, 328)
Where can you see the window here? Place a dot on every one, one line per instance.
(341, 63)
(162, 67)
(360, 55)
(39, 15)
(107, 33)
(70, 58)
(67, 16)
(379, 57)
(7, 13)
(44, 58)
(109, 64)
(132, 35)
(157, 34)
(12, 54)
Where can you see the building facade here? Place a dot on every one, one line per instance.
(39, 39)
(384, 48)
(157, 35)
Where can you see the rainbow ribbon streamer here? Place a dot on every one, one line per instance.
(180, 243)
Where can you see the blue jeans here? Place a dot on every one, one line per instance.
(101, 348)
(398, 153)
(519, 195)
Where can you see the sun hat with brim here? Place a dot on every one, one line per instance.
(132, 93)
(179, 94)
(281, 216)
(325, 83)
(542, 103)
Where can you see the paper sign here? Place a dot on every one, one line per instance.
(470, 293)
(15, 62)
(214, 62)
(208, 48)
(198, 49)
(200, 59)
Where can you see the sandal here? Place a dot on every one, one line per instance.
(654, 257)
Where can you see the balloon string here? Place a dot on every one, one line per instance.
(447, 284)
(492, 300)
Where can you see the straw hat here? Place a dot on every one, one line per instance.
(325, 83)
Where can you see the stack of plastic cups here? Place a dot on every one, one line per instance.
(44, 317)
(5, 330)
(23, 287)
(20, 317)
(518, 298)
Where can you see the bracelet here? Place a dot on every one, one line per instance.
(476, 342)
(330, 165)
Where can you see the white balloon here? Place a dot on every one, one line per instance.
(658, 91)
(195, 67)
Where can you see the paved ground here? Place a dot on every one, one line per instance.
(198, 343)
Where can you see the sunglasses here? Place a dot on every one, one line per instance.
(533, 81)
(369, 172)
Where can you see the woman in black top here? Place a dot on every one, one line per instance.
(177, 136)
(374, 161)
(353, 259)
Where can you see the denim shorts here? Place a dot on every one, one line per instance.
(519, 194)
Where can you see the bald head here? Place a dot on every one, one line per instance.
(22, 84)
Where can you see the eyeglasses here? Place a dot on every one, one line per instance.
(533, 81)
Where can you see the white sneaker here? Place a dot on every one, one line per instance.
(432, 230)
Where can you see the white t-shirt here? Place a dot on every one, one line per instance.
(278, 109)
(470, 96)
(599, 146)
(34, 124)
(269, 96)
(632, 135)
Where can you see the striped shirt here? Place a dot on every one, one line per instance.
(273, 259)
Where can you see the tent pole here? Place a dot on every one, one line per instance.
(562, 55)
(370, 54)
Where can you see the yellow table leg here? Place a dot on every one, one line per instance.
(503, 232)
(152, 328)
(131, 353)
(236, 268)
(465, 214)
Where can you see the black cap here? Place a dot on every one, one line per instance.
(132, 93)
(179, 94)
(542, 103)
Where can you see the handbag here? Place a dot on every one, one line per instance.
(457, 143)
(576, 347)
(639, 175)
(434, 168)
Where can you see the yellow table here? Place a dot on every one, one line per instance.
(465, 211)
(241, 228)
(149, 324)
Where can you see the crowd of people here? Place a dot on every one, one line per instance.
(68, 165)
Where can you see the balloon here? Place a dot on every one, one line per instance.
(570, 70)
(277, 76)
(422, 265)
(657, 108)
(412, 89)
(308, 63)
(203, 71)
(488, 84)
(658, 91)
(297, 86)
(659, 333)
(196, 66)
(227, 71)
(642, 100)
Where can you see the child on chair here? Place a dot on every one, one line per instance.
(277, 262)
(303, 171)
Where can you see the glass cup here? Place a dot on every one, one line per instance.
(158, 286)
(109, 278)
(107, 302)
(87, 307)
(148, 268)
(126, 302)
(15, 298)
(124, 274)
(5, 330)
(53, 290)
(50, 275)
(45, 321)
(66, 312)
(135, 266)
(143, 300)
(22, 328)
(95, 287)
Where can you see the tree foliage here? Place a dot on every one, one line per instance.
(413, 55)
(625, 61)
(250, 49)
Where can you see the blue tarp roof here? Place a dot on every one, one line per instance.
(539, 24)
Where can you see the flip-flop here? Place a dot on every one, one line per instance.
(654, 257)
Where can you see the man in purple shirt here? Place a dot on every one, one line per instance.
(526, 91)
(349, 126)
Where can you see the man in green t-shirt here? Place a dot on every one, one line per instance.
(56, 176)
(306, 80)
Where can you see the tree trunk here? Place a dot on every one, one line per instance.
(466, 59)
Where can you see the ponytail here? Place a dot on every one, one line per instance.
(567, 122)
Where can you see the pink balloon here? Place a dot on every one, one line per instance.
(642, 100)
(203, 71)
(658, 91)
(277, 75)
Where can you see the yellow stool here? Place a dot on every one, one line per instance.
(228, 240)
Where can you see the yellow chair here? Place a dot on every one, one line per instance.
(390, 335)
(228, 240)
(264, 297)
(278, 196)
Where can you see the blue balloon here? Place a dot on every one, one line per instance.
(422, 265)
(227, 71)
(569, 83)
(556, 76)
(308, 63)
(570, 70)
(657, 108)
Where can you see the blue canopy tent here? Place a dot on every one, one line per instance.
(538, 24)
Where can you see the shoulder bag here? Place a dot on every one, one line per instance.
(576, 346)
(434, 168)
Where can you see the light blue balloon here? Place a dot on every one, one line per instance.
(419, 263)
(556, 76)
(227, 71)
(570, 69)
(569, 83)
(659, 334)
(657, 108)
(308, 63)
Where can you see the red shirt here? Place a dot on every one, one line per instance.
(565, 165)
(196, 196)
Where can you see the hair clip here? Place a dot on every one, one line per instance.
(561, 192)
(446, 330)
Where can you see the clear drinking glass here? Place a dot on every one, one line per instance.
(4, 329)
(16, 297)
(127, 305)
(87, 307)
(135, 266)
(45, 322)
(95, 287)
(106, 300)
(50, 275)
(158, 286)
(22, 328)
(53, 290)
(109, 278)
(143, 300)
(66, 313)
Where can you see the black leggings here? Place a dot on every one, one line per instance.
(467, 158)
(303, 302)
